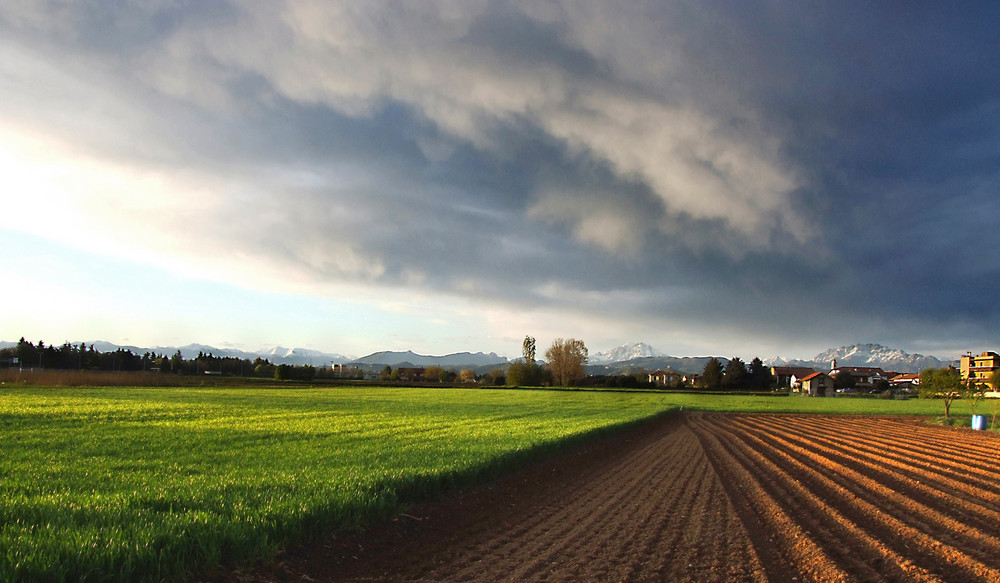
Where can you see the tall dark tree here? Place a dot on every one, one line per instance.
(844, 380)
(711, 377)
(26, 353)
(177, 362)
(735, 378)
(760, 374)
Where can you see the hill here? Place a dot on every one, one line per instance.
(410, 358)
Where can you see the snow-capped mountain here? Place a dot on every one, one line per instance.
(880, 356)
(283, 355)
(623, 352)
(395, 359)
(874, 355)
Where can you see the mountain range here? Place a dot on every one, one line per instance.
(873, 355)
(623, 353)
(411, 359)
(621, 360)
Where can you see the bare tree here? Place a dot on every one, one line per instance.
(566, 360)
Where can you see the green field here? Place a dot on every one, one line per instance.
(150, 483)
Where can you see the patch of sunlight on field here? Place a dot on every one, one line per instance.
(149, 483)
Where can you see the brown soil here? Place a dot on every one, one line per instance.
(702, 498)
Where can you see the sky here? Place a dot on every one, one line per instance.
(733, 178)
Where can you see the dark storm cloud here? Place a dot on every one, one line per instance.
(511, 36)
(796, 168)
(892, 117)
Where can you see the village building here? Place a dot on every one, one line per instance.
(411, 374)
(905, 380)
(980, 368)
(864, 377)
(818, 384)
(790, 376)
(665, 378)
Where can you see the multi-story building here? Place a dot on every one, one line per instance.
(980, 368)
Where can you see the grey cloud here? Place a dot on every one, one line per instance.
(806, 168)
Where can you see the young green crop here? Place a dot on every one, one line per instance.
(139, 484)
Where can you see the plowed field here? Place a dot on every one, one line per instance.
(708, 497)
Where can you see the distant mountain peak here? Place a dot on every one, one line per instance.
(624, 352)
(410, 358)
(865, 354)
(868, 354)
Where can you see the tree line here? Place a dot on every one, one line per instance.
(735, 375)
(566, 360)
(81, 357)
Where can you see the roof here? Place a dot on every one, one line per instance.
(814, 375)
(791, 370)
(865, 370)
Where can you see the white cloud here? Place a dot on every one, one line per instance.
(597, 219)
(194, 223)
(351, 57)
(689, 163)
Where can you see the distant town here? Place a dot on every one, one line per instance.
(863, 368)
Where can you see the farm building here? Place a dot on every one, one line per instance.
(818, 384)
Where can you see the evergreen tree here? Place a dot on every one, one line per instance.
(760, 374)
(711, 377)
(735, 378)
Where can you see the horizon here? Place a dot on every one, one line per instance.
(734, 179)
(349, 357)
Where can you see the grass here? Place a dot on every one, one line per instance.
(121, 484)
(148, 483)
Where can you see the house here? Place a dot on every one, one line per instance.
(905, 383)
(411, 374)
(818, 384)
(980, 368)
(909, 379)
(864, 376)
(790, 376)
(665, 378)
